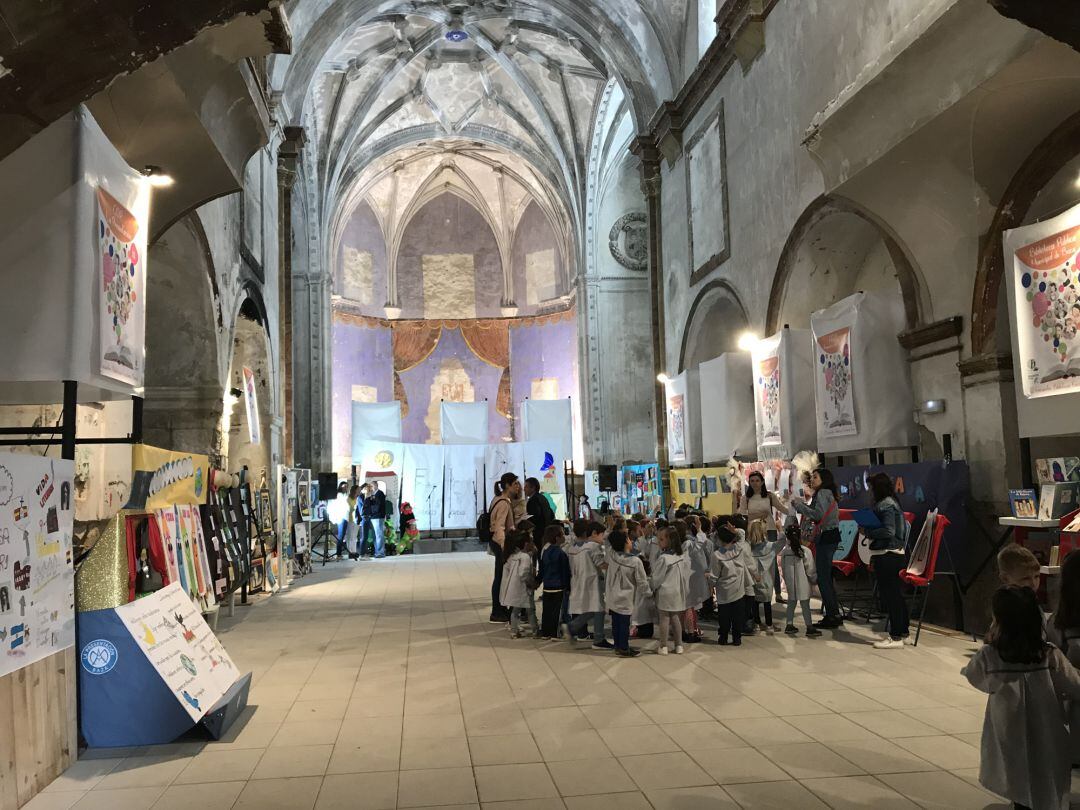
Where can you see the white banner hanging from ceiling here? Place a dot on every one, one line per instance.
(422, 483)
(728, 398)
(464, 422)
(380, 421)
(464, 484)
(783, 382)
(551, 421)
(122, 285)
(251, 404)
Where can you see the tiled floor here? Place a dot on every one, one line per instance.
(381, 685)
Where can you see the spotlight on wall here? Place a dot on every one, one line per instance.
(747, 341)
(933, 406)
(663, 378)
(157, 177)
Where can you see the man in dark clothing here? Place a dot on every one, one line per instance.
(541, 515)
(374, 514)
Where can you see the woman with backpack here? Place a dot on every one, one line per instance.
(888, 555)
(823, 509)
(501, 523)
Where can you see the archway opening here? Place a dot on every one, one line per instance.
(715, 323)
(246, 419)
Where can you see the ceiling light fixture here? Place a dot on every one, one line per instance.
(748, 341)
(157, 177)
(663, 378)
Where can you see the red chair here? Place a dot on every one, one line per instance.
(926, 579)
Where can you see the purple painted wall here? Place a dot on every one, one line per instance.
(363, 233)
(361, 356)
(534, 234)
(544, 351)
(449, 225)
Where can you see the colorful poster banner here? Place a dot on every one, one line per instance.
(833, 380)
(162, 478)
(251, 403)
(677, 427)
(180, 645)
(1047, 301)
(122, 256)
(767, 382)
(37, 580)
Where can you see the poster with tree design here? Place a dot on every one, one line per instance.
(121, 251)
(836, 393)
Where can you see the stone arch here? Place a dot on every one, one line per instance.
(837, 248)
(251, 348)
(1053, 154)
(183, 326)
(716, 320)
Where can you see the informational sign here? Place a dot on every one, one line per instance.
(37, 580)
(122, 255)
(162, 478)
(832, 376)
(251, 403)
(1047, 302)
(180, 645)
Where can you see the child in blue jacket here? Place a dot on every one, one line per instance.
(554, 579)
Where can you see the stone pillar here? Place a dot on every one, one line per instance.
(287, 158)
(184, 418)
(649, 155)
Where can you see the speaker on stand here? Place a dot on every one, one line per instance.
(609, 477)
(328, 484)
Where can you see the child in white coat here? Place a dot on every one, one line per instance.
(518, 583)
(646, 546)
(698, 548)
(731, 574)
(1063, 631)
(1025, 745)
(671, 582)
(625, 577)
(800, 574)
(587, 564)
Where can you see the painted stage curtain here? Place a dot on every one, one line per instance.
(488, 340)
(413, 343)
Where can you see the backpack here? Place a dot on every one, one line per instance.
(483, 527)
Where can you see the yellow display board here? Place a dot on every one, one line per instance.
(162, 478)
(687, 488)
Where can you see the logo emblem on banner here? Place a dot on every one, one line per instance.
(384, 459)
(99, 656)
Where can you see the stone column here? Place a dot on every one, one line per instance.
(287, 158)
(650, 158)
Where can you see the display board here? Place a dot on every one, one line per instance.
(463, 422)
(728, 398)
(683, 398)
(704, 488)
(783, 382)
(862, 384)
(163, 478)
(380, 421)
(1043, 281)
(78, 228)
(641, 488)
(37, 580)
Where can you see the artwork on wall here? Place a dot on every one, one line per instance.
(629, 241)
(835, 390)
(767, 395)
(1047, 300)
(706, 174)
(677, 426)
(449, 286)
(357, 275)
(37, 581)
(122, 251)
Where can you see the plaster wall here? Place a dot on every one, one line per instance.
(535, 236)
(362, 242)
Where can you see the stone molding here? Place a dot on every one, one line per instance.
(619, 241)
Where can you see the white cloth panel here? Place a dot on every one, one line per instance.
(52, 329)
(380, 421)
(1048, 406)
(727, 407)
(379, 456)
(422, 483)
(783, 386)
(878, 384)
(464, 422)
(683, 397)
(549, 420)
(464, 484)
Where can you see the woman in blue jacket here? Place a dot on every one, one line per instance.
(889, 557)
(824, 510)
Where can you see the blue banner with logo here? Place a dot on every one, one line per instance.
(122, 699)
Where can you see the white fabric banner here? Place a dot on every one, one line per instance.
(783, 380)
(464, 484)
(728, 398)
(1042, 262)
(544, 462)
(37, 581)
(683, 397)
(551, 421)
(251, 405)
(862, 383)
(499, 459)
(422, 483)
(374, 420)
(464, 422)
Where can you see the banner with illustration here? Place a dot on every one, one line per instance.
(181, 647)
(122, 257)
(682, 394)
(1047, 310)
(251, 405)
(767, 389)
(833, 384)
(37, 580)
(162, 478)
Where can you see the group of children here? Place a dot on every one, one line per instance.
(644, 572)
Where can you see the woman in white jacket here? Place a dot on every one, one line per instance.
(518, 587)
(671, 582)
(625, 577)
(800, 573)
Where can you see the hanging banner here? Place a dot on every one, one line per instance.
(767, 400)
(422, 483)
(463, 484)
(463, 422)
(121, 251)
(833, 385)
(162, 478)
(1047, 307)
(374, 420)
(551, 421)
(181, 647)
(251, 404)
(37, 581)
(728, 399)
(502, 458)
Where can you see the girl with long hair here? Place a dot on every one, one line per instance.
(823, 508)
(889, 556)
(502, 523)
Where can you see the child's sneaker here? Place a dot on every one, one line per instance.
(679, 649)
(889, 644)
(662, 650)
(791, 630)
(812, 632)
